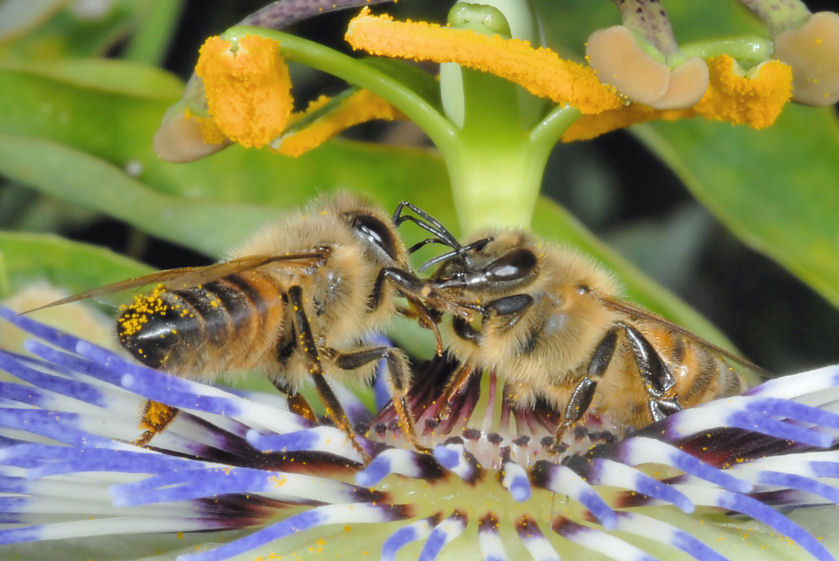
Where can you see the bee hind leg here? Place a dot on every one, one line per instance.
(156, 417)
(657, 378)
(296, 402)
(583, 393)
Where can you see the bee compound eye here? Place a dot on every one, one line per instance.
(375, 232)
(515, 265)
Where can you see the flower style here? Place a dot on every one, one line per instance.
(706, 481)
(495, 142)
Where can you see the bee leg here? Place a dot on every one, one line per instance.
(511, 308)
(399, 378)
(306, 342)
(414, 290)
(428, 321)
(156, 417)
(454, 385)
(583, 393)
(657, 378)
(296, 402)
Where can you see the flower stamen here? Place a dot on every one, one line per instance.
(538, 70)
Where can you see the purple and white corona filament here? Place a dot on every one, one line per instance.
(241, 477)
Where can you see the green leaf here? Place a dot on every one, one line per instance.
(207, 226)
(776, 189)
(132, 79)
(28, 258)
(19, 16)
(74, 31)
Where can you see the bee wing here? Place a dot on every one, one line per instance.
(192, 276)
(647, 315)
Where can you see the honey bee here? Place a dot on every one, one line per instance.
(294, 301)
(550, 320)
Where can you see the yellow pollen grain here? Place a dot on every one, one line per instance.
(137, 313)
(249, 91)
(755, 101)
(539, 70)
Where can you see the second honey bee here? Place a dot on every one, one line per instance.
(550, 320)
(294, 301)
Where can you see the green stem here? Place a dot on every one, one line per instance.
(441, 132)
(750, 49)
(495, 178)
(496, 184)
(551, 128)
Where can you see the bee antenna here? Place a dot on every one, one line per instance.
(427, 223)
(457, 252)
(419, 245)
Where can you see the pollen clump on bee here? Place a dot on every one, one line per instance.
(137, 314)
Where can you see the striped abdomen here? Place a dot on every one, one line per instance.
(701, 373)
(226, 324)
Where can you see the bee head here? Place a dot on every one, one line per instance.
(492, 263)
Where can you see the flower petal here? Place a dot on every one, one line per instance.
(813, 52)
(204, 474)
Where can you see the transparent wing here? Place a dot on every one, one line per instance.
(192, 276)
(646, 315)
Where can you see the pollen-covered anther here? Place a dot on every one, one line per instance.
(248, 88)
(360, 107)
(540, 71)
(620, 61)
(754, 98)
(812, 51)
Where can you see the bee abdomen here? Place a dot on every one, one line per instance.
(205, 329)
(712, 377)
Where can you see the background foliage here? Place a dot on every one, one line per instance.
(742, 225)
